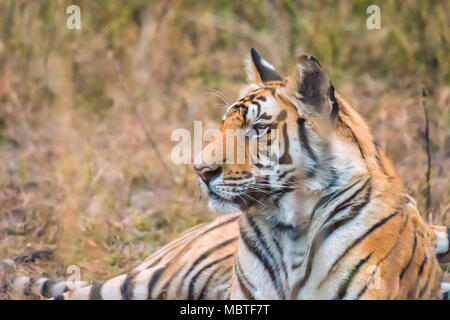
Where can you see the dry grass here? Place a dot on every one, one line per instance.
(77, 174)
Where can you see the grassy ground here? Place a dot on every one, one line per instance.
(77, 173)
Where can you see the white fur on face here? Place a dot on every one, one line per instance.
(272, 169)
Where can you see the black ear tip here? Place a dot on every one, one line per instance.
(331, 90)
(255, 55)
(265, 70)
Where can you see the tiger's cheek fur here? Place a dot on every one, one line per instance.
(262, 165)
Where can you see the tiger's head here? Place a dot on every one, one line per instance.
(306, 138)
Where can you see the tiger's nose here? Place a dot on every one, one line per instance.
(207, 174)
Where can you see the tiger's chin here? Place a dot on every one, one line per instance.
(232, 203)
(221, 205)
(237, 204)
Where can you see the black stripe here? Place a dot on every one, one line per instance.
(244, 284)
(286, 172)
(411, 258)
(425, 287)
(422, 265)
(265, 116)
(346, 284)
(278, 246)
(334, 103)
(366, 286)
(47, 288)
(154, 280)
(250, 97)
(262, 98)
(127, 287)
(303, 136)
(193, 281)
(334, 177)
(95, 293)
(258, 108)
(280, 226)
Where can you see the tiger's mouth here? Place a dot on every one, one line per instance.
(226, 195)
(220, 204)
(242, 201)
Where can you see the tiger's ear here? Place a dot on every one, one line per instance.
(314, 88)
(259, 70)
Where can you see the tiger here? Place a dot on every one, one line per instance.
(301, 230)
(328, 216)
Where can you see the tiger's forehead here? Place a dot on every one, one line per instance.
(249, 107)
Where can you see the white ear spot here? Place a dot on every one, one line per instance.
(267, 64)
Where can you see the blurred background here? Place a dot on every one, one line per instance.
(82, 110)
